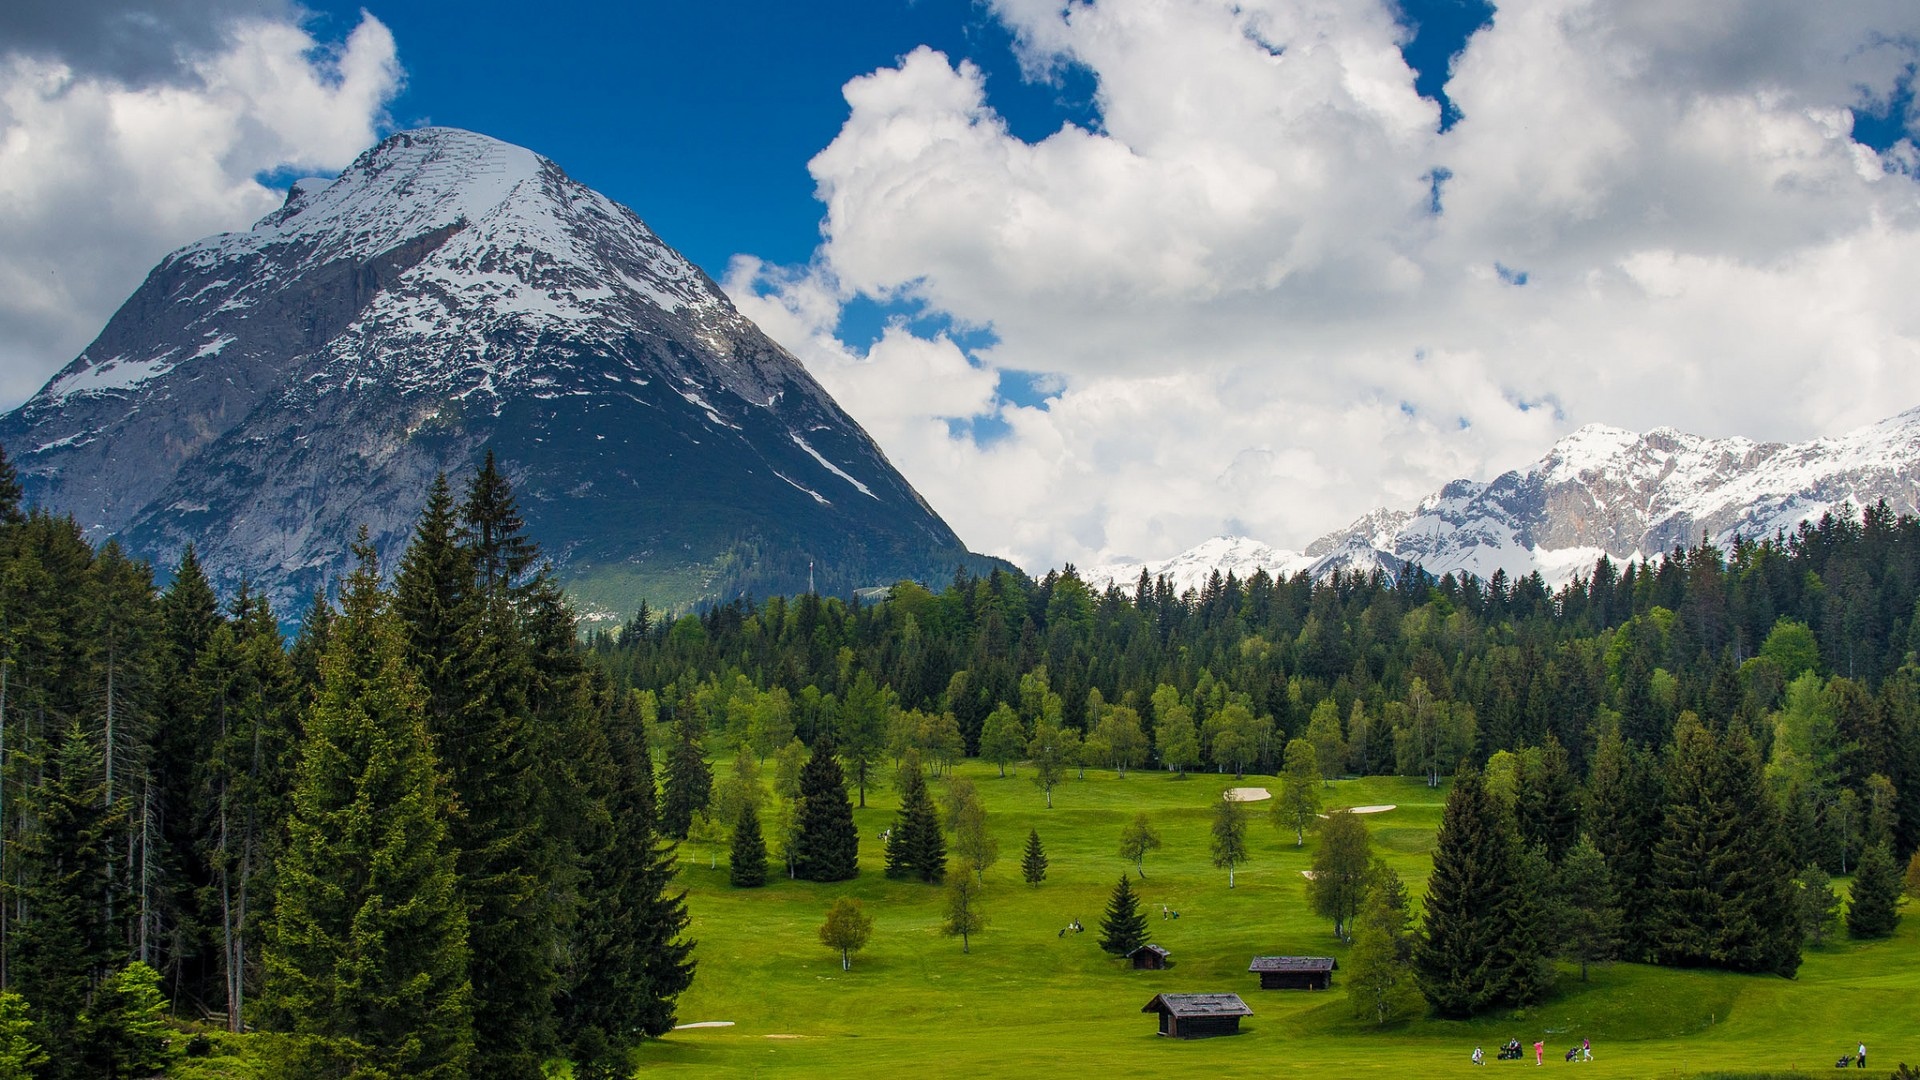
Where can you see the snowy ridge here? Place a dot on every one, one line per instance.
(1599, 491)
(1236, 555)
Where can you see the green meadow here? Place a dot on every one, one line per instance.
(1027, 1000)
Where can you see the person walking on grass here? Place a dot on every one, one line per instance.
(1478, 1057)
(1539, 1051)
(1861, 1060)
(1586, 1049)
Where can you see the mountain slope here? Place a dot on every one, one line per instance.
(264, 393)
(1599, 491)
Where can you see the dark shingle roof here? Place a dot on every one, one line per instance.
(1191, 1005)
(1152, 949)
(1292, 963)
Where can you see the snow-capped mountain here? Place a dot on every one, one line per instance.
(264, 393)
(1600, 490)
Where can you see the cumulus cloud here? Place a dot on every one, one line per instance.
(105, 164)
(1277, 296)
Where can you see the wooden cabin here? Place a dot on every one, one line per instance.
(1195, 1016)
(1294, 972)
(1149, 958)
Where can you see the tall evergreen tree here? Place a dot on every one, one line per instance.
(1475, 950)
(828, 845)
(1124, 927)
(747, 860)
(1874, 909)
(1589, 914)
(1547, 806)
(1723, 893)
(241, 785)
(689, 781)
(627, 961)
(916, 848)
(63, 948)
(368, 964)
(1624, 809)
(1033, 861)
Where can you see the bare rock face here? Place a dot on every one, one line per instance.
(265, 393)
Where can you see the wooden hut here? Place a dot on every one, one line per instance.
(1294, 972)
(1149, 958)
(1194, 1016)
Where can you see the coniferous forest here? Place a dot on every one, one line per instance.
(418, 840)
(432, 834)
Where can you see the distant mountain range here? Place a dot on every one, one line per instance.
(264, 393)
(1599, 491)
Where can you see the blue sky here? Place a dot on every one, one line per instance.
(1102, 277)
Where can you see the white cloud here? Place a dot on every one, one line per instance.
(100, 178)
(1259, 323)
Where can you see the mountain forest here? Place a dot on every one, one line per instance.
(439, 832)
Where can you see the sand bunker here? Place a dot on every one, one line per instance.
(1371, 809)
(1308, 874)
(785, 1036)
(703, 1023)
(1248, 794)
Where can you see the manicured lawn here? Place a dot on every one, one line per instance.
(1027, 1000)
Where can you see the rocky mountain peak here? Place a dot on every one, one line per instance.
(266, 391)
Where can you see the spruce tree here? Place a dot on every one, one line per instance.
(828, 844)
(1874, 909)
(368, 961)
(1124, 927)
(1033, 862)
(125, 1029)
(1547, 808)
(689, 780)
(1624, 813)
(1818, 906)
(747, 861)
(1723, 891)
(21, 1055)
(628, 961)
(1475, 949)
(66, 943)
(916, 848)
(1589, 913)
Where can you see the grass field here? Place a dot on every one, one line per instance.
(1028, 1001)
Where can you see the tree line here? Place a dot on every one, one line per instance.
(419, 839)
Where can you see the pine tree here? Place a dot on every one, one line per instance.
(21, 1055)
(916, 848)
(1589, 914)
(1123, 928)
(1475, 950)
(1033, 862)
(1624, 811)
(747, 861)
(828, 843)
(1874, 910)
(1547, 807)
(1818, 907)
(368, 965)
(689, 781)
(65, 945)
(1724, 896)
(125, 1029)
(628, 960)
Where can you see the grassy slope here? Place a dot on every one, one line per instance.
(1027, 1000)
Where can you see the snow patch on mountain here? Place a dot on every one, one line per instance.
(1601, 491)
